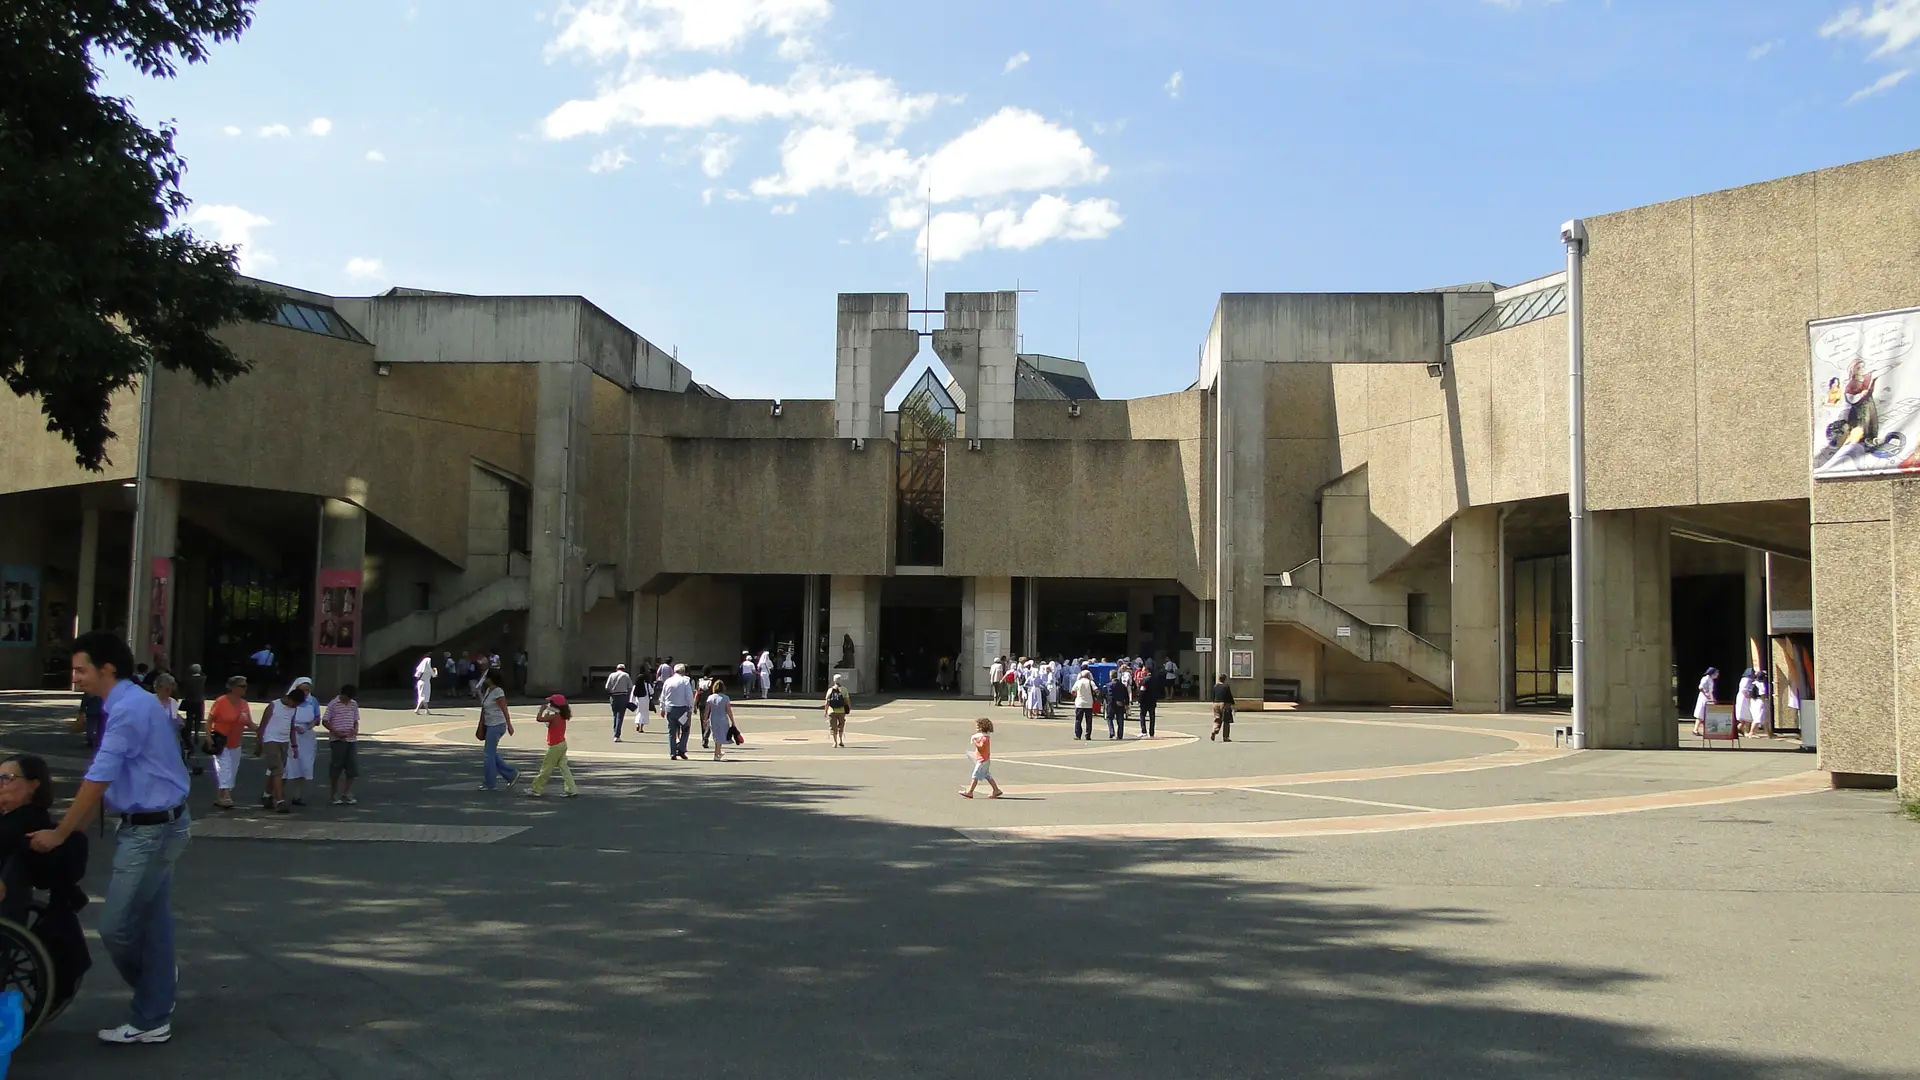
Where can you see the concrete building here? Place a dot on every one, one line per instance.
(1362, 498)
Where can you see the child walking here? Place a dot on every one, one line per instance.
(982, 754)
(554, 713)
(342, 721)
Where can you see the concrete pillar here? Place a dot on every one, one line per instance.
(162, 529)
(809, 658)
(1240, 499)
(986, 628)
(1630, 632)
(343, 546)
(563, 416)
(995, 319)
(1903, 544)
(1030, 618)
(873, 345)
(1756, 596)
(87, 578)
(853, 620)
(1139, 610)
(1479, 669)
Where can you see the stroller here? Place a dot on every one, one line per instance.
(43, 950)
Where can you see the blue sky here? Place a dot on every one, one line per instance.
(713, 172)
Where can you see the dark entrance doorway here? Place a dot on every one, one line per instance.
(1709, 630)
(773, 612)
(919, 627)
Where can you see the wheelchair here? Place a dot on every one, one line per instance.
(43, 950)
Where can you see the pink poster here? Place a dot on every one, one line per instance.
(159, 618)
(338, 630)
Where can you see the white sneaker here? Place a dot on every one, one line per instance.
(338, 801)
(127, 1035)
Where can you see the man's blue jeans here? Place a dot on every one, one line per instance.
(136, 926)
(621, 703)
(496, 767)
(679, 727)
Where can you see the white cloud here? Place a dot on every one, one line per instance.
(1012, 150)
(1016, 62)
(1881, 85)
(607, 29)
(376, 156)
(836, 98)
(364, 268)
(716, 154)
(319, 125)
(786, 208)
(1763, 49)
(1895, 24)
(958, 233)
(234, 226)
(275, 131)
(706, 197)
(825, 158)
(611, 160)
(1172, 86)
(230, 130)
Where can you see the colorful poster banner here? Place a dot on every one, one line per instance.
(159, 610)
(19, 606)
(1866, 395)
(338, 631)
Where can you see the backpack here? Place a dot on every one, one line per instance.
(837, 700)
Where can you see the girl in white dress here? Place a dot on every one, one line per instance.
(1705, 699)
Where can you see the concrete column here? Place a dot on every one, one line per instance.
(1903, 544)
(995, 317)
(1139, 605)
(556, 598)
(343, 546)
(1240, 494)
(1756, 596)
(853, 620)
(809, 657)
(873, 346)
(1630, 632)
(87, 578)
(1478, 667)
(1030, 618)
(161, 541)
(986, 604)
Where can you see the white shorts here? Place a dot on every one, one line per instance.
(226, 768)
(981, 772)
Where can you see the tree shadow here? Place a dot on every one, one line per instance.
(707, 924)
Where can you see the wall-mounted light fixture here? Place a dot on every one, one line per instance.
(383, 369)
(1073, 409)
(973, 444)
(776, 410)
(1436, 370)
(859, 444)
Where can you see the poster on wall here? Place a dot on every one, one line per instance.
(1240, 663)
(19, 606)
(158, 614)
(1866, 395)
(338, 632)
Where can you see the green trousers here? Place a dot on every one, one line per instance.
(556, 759)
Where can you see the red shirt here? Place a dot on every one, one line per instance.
(556, 727)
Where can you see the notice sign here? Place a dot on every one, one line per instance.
(989, 644)
(1203, 644)
(1866, 395)
(338, 632)
(1240, 663)
(1718, 724)
(19, 606)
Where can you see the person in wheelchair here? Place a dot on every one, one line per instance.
(50, 947)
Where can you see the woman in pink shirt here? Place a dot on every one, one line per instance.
(342, 721)
(982, 754)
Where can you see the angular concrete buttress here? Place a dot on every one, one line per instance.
(873, 345)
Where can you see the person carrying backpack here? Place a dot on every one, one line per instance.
(838, 704)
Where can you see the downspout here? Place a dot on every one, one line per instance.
(1574, 235)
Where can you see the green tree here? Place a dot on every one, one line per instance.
(96, 280)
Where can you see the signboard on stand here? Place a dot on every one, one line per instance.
(1718, 725)
(338, 630)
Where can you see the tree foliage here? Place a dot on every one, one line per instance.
(96, 279)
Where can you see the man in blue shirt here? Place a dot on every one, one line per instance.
(137, 773)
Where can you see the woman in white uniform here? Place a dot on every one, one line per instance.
(306, 744)
(1742, 703)
(764, 669)
(1759, 707)
(1705, 699)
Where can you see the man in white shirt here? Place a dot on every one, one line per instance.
(422, 683)
(676, 694)
(620, 696)
(996, 676)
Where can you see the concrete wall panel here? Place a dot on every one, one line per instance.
(775, 506)
(1853, 646)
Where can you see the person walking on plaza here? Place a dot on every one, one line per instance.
(1222, 709)
(227, 725)
(764, 669)
(642, 698)
(1118, 698)
(1759, 707)
(496, 723)
(1149, 695)
(138, 775)
(422, 684)
(306, 744)
(342, 721)
(786, 673)
(676, 697)
(995, 671)
(275, 746)
(837, 705)
(1706, 699)
(1085, 694)
(619, 696)
(981, 752)
(719, 717)
(554, 713)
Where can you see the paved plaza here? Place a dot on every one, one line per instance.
(1380, 894)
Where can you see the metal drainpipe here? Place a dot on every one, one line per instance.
(1574, 235)
(139, 616)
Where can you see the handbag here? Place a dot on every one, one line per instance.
(737, 737)
(480, 730)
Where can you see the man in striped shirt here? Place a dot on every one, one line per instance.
(342, 721)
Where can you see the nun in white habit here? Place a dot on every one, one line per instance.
(1743, 703)
(1705, 699)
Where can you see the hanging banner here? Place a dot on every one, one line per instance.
(338, 632)
(1866, 395)
(19, 606)
(159, 614)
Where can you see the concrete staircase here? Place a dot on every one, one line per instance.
(426, 629)
(1325, 621)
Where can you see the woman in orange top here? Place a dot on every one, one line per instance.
(227, 723)
(982, 754)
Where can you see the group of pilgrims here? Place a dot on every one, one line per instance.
(1752, 705)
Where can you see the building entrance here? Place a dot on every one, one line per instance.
(1709, 630)
(919, 629)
